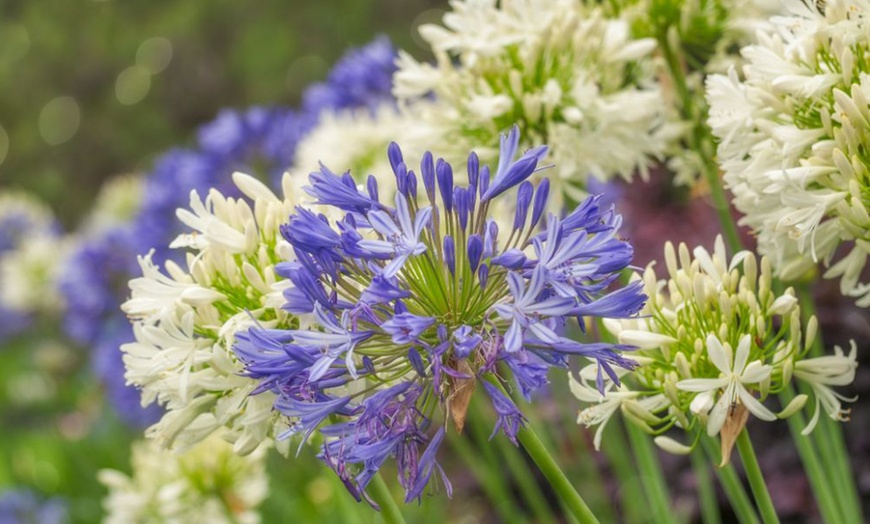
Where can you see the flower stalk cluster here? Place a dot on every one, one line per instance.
(408, 309)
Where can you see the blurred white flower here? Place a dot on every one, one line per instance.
(564, 73)
(208, 483)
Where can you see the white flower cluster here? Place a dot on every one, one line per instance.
(356, 140)
(185, 321)
(714, 342)
(209, 483)
(794, 140)
(31, 253)
(564, 73)
(29, 274)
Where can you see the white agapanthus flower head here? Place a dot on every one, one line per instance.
(29, 274)
(794, 140)
(185, 319)
(31, 253)
(563, 72)
(208, 483)
(714, 342)
(356, 140)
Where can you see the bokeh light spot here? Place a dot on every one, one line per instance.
(59, 120)
(14, 43)
(154, 54)
(132, 85)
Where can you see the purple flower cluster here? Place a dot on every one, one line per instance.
(363, 78)
(415, 303)
(259, 141)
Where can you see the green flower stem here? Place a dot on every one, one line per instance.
(509, 456)
(706, 493)
(756, 480)
(560, 483)
(381, 494)
(551, 470)
(828, 435)
(570, 445)
(822, 488)
(697, 143)
(731, 484)
(653, 479)
(634, 504)
(530, 489)
(489, 477)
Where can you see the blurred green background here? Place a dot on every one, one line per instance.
(90, 89)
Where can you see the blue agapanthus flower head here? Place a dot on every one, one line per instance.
(419, 297)
(363, 78)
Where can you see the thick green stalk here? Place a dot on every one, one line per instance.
(756, 479)
(731, 484)
(822, 489)
(381, 494)
(570, 444)
(706, 493)
(828, 435)
(529, 488)
(550, 468)
(560, 483)
(634, 504)
(651, 472)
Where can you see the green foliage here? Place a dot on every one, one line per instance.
(224, 54)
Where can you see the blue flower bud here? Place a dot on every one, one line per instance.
(473, 169)
(475, 249)
(427, 171)
(540, 201)
(450, 254)
(483, 275)
(484, 180)
(401, 172)
(372, 186)
(394, 154)
(412, 185)
(445, 183)
(416, 362)
(524, 198)
(461, 201)
(511, 259)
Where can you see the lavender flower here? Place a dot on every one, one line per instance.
(425, 313)
(22, 505)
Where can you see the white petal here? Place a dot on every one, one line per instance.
(754, 406)
(702, 384)
(717, 355)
